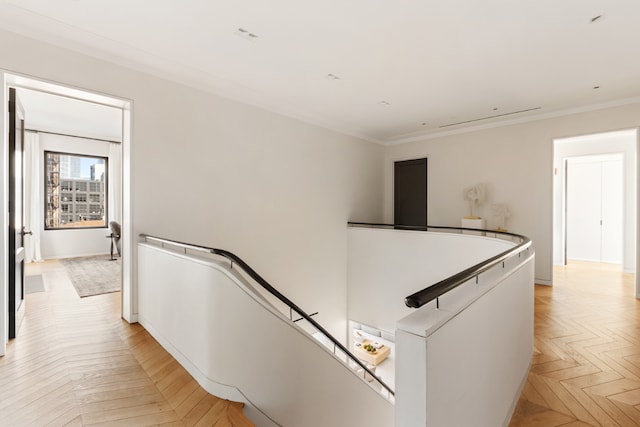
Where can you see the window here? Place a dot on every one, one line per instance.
(81, 186)
(76, 191)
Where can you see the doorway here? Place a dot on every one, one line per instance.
(592, 159)
(410, 192)
(594, 208)
(124, 114)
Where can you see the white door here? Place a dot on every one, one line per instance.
(612, 211)
(595, 208)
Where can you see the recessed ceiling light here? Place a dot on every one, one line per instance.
(332, 77)
(596, 18)
(385, 103)
(246, 34)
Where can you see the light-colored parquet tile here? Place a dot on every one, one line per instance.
(529, 414)
(77, 363)
(585, 369)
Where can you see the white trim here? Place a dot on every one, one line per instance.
(543, 282)
(129, 301)
(516, 397)
(15, 79)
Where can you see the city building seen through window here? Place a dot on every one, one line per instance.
(75, 191)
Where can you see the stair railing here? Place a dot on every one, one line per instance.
(234, 259)
(436, 290)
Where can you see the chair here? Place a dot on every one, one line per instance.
(115, 238)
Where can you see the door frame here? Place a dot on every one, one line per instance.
(15, 179)
(9, 78)
(557, 198)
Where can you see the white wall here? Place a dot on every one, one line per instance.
(385, 266)
(516, 163)
(271, 364)
(71, 242)
(276, 191)
(478, 360)
(613, 142)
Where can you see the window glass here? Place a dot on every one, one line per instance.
(75, 191)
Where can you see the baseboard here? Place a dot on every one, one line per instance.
(514, 404)
(543, 282)
(75, 256)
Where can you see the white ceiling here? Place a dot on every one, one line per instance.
(407, 68)
(58, 114)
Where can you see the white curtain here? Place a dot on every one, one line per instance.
(33, 198)
(115, 183)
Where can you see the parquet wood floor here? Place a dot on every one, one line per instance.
(586, 365)
(76, 363)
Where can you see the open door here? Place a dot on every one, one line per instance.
(16, 214)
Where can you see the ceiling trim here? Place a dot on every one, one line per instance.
(502, 123)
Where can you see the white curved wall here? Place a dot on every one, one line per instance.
(238, 347)
(466, 364)
(385, 266)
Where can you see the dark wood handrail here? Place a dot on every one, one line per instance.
(273, 291)
(432, 292)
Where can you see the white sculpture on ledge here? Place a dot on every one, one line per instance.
(500, 213)
(475, 196)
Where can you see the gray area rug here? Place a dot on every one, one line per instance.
(93, 275)
(33, 284)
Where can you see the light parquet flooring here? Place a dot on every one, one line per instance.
(586, 364)
(76, 363)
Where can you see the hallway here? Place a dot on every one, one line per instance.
(76, 363)
(586, 365)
